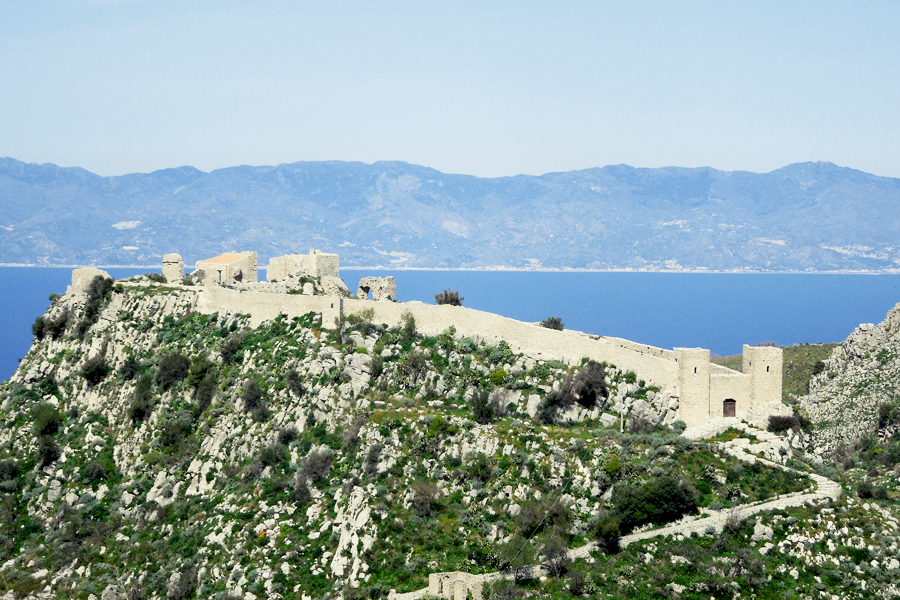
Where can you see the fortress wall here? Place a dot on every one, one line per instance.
(734, 386)
(701, 388)
(642, 348)
(715, 369)
(522, 337)
(263, 307)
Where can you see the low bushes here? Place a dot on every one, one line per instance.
(553, 323)
(450, 297)
(47, 419)
(658, 501)
(780, 423)
(141, 399)
(587, 388)
(95, 370)
(172, 369)
(254, 401)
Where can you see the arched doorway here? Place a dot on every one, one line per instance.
(729, 408)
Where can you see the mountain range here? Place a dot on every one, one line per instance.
(803, 217)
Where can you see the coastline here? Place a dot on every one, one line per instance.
(505, 269)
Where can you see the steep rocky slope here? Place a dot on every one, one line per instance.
(861, 375)
(148, 451)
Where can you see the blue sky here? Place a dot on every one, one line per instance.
(489, 89)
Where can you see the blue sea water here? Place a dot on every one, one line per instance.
(709, 310)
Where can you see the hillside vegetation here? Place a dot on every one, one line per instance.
(147, 451)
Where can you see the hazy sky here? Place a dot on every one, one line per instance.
(485, 88)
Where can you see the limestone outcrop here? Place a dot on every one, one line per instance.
(860, 375)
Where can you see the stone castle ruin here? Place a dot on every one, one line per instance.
(382, 288)
(314, 264)
(228, 269)
(691, 388)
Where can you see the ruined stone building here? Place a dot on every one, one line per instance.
(229, 268)
(314, 264)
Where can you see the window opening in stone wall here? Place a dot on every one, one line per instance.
(767, 368)
(695, 369)
(729, 408)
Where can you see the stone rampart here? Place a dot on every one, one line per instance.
(262, 306)
(642, 348)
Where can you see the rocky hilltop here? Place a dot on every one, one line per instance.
(149, 451)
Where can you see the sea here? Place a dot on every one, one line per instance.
(719, 311)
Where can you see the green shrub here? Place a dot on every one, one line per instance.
(95, 370)
(131, 368)
(425, 496)
(294, 383)
(205, 392)
(484, 410)
(865, 489)
(679, 426)
(287, 435)
(553, 323)
(606, 530)
(254, 401)
(498, 377)
(175, 431)
(47, 419)
(56, 327)
(231, 346)
(587, 388)
(141, 399)
(48, 451)
(200, 367)
(98, 290)
(658, 501)
(94, 471)
(881, 493)
(273, 454)
(408, 329)
(172, 368)
(317, 464)
(782, 423)
(37, 328)
(450, 297)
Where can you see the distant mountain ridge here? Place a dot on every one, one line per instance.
(803, 217)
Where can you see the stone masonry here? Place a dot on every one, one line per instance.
(382, 288)
(173, 268)
(314, 264)
(229, 269)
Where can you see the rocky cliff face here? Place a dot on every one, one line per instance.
(148, 451)
(862, 374)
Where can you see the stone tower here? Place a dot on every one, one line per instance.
(173, 268)
(693, 385)
(764, 365)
